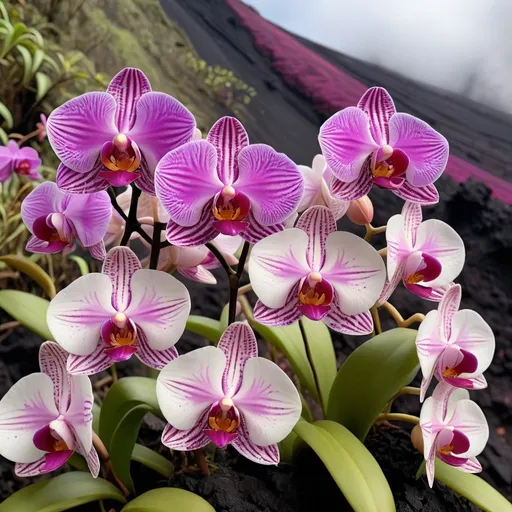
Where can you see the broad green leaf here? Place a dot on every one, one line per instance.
(28, 309)
(370, 377)
(321, 354)
(167, 499)
(289, 341)
(472, 487)
(306, 411)
(26, 58)
(37, 60)
(82, 264)
(153, 460)
(62, 493)
(44, 84)
(32, 270)
(6, 114)
(206, 327)
(287, 446)
(352, 466)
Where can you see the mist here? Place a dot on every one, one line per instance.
(460, 45)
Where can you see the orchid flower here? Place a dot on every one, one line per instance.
(317, 188)
(454, 429)
(57, 220)
(426, 256)
(373, 144)
(23, 161)
(118, 136)
(46, 416)
(228, 395)
(224, 185)
(455, 346)
(102, 318)
(316, 271)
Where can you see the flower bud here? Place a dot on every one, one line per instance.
(417, 438)
(360, 211)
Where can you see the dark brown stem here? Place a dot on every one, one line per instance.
(201, 461)
(156, 245)
(220, 258)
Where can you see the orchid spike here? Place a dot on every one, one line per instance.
(102, 318)
(316, 271)
(317, 188)
(57, 220)
(228, 395)
(22, 161)
(224, 185)
(426, 256)
(455, 346)
(454, 429)
(118, 136)
(46, 416)
(373, 144)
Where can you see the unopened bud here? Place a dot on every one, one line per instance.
(417, 438)
(360, 211)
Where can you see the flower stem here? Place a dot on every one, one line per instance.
(396, 416)
(156, 245)
(234, 282)
(399, 319)
(211, 246)
(376, 319)
(246, 288)
(131, 221)
(201, 461)
(371, 231)
(407, 390)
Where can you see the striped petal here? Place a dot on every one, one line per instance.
(74, 182)
(361, 186)
(41, 202)
(29, 469)
(256, 231)
(193, 236)
(186, 440)
(90, 364)
(98, 251)
(198, 274)
(412, 217)
(229, 137)
(379, 106)
(358, 325)
(267, 455)
(448, 306)
(390, 285)
(52, 361)
(424, 196)
(153, 358)
(278, 317)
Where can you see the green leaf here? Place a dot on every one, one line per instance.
(37, 60)
(167, 499)
(4, 139)
(352, 466)
(321, 354)
(153, 460)
(370, 377)
(28, 309)
(6, 114)
(224, 318)
(44, 84)
(32, 270)
(62, 493)
(26, 58)
(287, 447)
(289, 341)
(82, 264)
(472, 487)
(204, 326)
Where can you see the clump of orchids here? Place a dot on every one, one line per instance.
(194, 204)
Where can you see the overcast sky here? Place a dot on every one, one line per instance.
(461, 45)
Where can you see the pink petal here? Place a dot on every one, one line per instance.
(74, 182)
(189, 385)
(198, 274)
(312, 185)
(391, 285)
(98, 251)
(36, 245)
(239, 345)
(78, 129)
(229, 137)
(257, 231)
(120, 265)
(153, 358)
(318, 222)
(268, 402)
(346, 142)
(186, 180)
(448, 306)
(193, 236)
(186, 440)
(427, 149)
(55, 460)
(272, 182)
(41, 202)
(29, 469)
(398, 243)
(120, 354)
(267, 455)
(412, 217)
(162, 124)
(275, 317)
(220, 438)
(93, 462)
(379, 106)
(127, 87)
(52, 361)
(424, 196)
(349, 191)
(146, 181)
(277, 264)
(471, 465)
(355, 270)
(160, 306)
(358, 325)
(90, 364)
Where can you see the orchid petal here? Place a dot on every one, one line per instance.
(355, 270)
(36, 245)
(357, 325)
(272, 182)
(430, 466)
(27, 407)
(192, 236)
(41, 202)
(268, 402)
(412, 217)
(127, 87)
(90, 364)
(186, 180)
(277, 263)
(146, 178)
(391, 285)
(30, 469)
(267, 455)
(446, 398)
(424, 196)
(229, 137)
(52, 361)
(469, 419)
(398, 244)
(346, 142)
(312, 186)
(198, 274)
(285, 315)
(256, 231)
(429, 426)
(160, 306)
(441, 241)
(318, 222)
(186, 440)
(447, 308)
(79, 413)
(379, 106)
(162, 124)
(471, 465)
(78, 129)
(77, 312)
(427, 149)
(228, 244)
(189, 385)
(98, 251)
(74, 182)
(153, 358)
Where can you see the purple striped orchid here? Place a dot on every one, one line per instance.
(455, 346)
(224, 185)
(103, 318)
(118, 136)
(426, 256)
(316, 271)
(454, 429)
(58, 220)
(317, 188)
(22, 161)
(46, 416)
(373, 144)
(228, 395)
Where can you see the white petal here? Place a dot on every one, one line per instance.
(267, 455)
(312, 186)
(397, 244)
(469, 419)
(79, 414)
